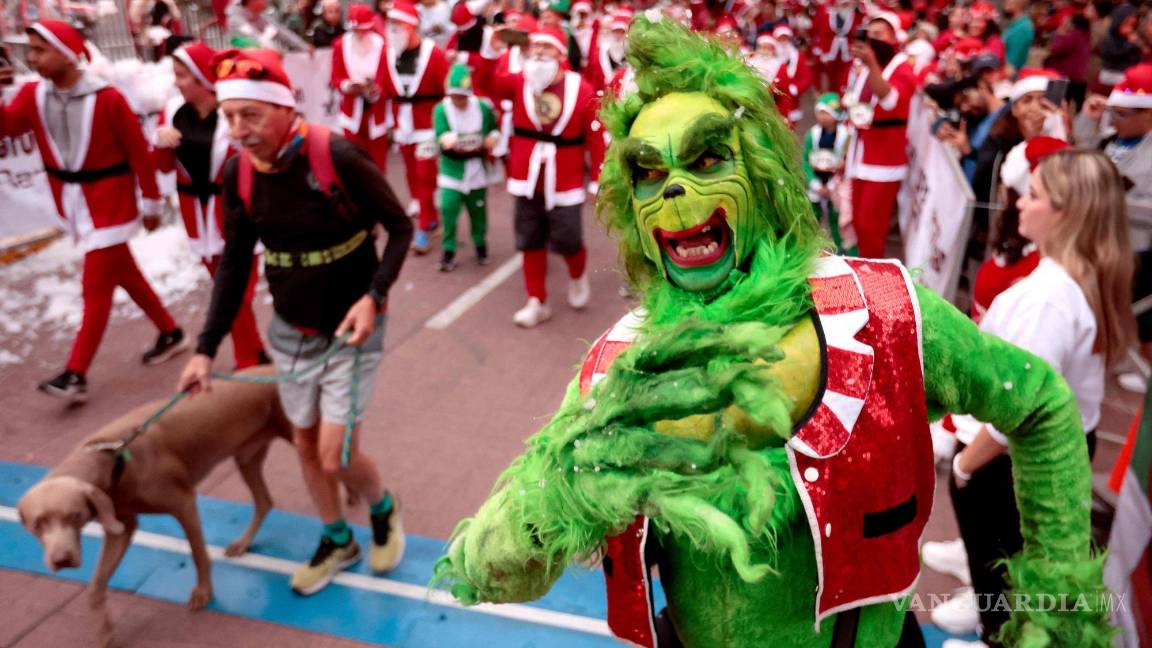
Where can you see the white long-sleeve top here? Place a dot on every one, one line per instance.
(1047, 314)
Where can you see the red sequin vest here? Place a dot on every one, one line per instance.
(862, 461)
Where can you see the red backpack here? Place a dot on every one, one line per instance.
(319, 148)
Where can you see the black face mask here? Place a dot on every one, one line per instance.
(884, 51)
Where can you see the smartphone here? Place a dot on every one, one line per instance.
(514, 37)
(1057, 89)
(861, 34)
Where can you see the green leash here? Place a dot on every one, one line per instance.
(121, 449)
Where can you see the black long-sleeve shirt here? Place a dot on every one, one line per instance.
(291, 214)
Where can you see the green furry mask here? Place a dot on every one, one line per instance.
(701, 166)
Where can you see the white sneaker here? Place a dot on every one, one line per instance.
(579, 292)
(533, 313)
(947, 558)
(1133, 382)
(960, 643)
(959, 615)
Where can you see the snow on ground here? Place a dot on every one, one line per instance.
(40, 294)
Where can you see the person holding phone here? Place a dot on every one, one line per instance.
(878, 100)
(358, 71)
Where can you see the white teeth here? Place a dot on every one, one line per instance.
(712, 247)
(706, 230)
(681, 252)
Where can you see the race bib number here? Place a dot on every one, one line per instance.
(823, 160)
(470, 142)
(426, 150)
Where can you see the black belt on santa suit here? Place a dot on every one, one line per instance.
(413, 99)
(888, 123)
(202, 191)
(464, 155)
(548, 137)
(89, 175)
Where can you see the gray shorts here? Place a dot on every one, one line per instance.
(323, 393)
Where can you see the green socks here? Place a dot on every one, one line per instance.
(383, 506)
(338, 532)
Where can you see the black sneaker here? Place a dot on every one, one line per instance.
(448, 261)
(388, 541)
(69, 386)
(168, 345)
(329, 560)
(482, 255)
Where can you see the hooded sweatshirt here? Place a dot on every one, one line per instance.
(64, 112)
(1117, 53)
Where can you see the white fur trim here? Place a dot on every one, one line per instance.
(1029, 84)
(1120, 99)
(267, 91)
(182, 56)
(47, 35)
(549, 39)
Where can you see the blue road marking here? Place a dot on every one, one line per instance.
(339, 610)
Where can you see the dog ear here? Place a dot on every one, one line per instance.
(105, 512)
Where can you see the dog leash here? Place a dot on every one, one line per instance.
(121, 447)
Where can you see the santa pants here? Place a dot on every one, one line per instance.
(538, 229)
(872, 206)
(421, 184)
(377, 148)
(246, 344)
(833, 75)
(104, 270)
(476, 203)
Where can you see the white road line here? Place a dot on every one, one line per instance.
(473, 295)
(515, 612)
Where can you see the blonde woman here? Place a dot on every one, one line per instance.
(1073, 311)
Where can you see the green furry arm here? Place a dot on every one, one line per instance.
(967, 371)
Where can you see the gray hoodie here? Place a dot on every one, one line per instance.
(64, 116)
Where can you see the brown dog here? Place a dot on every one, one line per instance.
(237, 420)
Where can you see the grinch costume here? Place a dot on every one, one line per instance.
(759, 428)
(466, 135)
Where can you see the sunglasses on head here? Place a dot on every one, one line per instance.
(245, 67)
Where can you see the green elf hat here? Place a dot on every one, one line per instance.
(829, 102)
(459, 81)
(562, 7)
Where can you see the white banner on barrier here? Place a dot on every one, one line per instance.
(935, 208)
(311, 75)
(25, 200)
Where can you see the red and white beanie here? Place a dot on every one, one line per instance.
(404, 11)
(1135, 89)
(1032, 80)
(893, 21)
(581, 6)
(199, 59)
(619, 21)
(63, 37)
(783, 31)
(766, 39)
(253, 74)
(1040, 147)
(553, 36)
(361, 17)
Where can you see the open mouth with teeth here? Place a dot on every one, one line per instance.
(697, 246)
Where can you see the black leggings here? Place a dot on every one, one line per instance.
(990, 526)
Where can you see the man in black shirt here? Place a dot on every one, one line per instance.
(326, 281)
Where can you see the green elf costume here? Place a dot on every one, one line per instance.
(466, 130)
(823, 158)
(759, 428)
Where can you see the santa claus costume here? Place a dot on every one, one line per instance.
(772, 66)
(554, 126)
(414, 82)
(198, 161)
(607, 52)
(833, 31)
(796, 66)
(877, 157)
(359, 72)
(95, 156)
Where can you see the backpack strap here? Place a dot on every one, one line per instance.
(324, 169)
(244, 179)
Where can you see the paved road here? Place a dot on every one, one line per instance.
(452, 407)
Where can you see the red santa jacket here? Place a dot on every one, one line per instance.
(831, 43)
(775, 72)
(204, 224)
(879, 151)
(862, 462)
(354, 110)
(414, 98)
(599, 72)
(95, 192)
(557, 151)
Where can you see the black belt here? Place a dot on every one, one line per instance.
(548, 137)
(889, 123)
(417, 99)
(463, 155)
(89, 175)
(201, 191)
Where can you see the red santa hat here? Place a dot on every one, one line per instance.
(462, 16)
(983, 9)
(361, 17)
(198, 58)
(553, 36)
(63, 37)
(782, 31)
(404, 11)
(582, 6)
(253, 74)
(893, 21)
(619, 21)
(765, 39)
(967, 47)
(727, 22)
(1040, 147)
(1032, 80)
(1135, 89)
